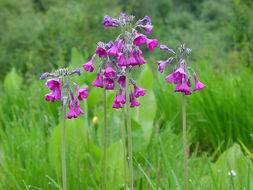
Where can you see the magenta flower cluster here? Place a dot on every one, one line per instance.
(119, 58)
(62, 89)
(181, 76)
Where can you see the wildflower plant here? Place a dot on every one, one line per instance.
(118, 59)
(181, 77)
(62, 89)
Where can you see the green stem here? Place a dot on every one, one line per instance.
(124, 147)
(129, 133)
(104, 163)
(184, 142)
(63, 149)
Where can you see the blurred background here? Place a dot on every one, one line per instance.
(42, 35)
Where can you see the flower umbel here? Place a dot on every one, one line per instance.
(62, 88)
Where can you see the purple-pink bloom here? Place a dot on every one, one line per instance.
(133, 101)
(145, 19)
(198, 85)
(170, 78)
(139, 39)
(123, 15)
(110, 22)
(122, 80)
(109, 72)
(120, 98)
(185, 88)
(164, 47)
(138, 91)
(72, 113)
(81, 93)
(116, 105)
(98, 82)
(45, 75)
(119, 44)
(139, 58)
(122, 60)
(132, 60)
(162, 64)
(147, 28)
(113, 51)
(101, 52)
(53, 84)
(179, 83)
(109, 45)
(151, 43)
(89, 66)
(108, 80)
(179, 73)
(109, 86)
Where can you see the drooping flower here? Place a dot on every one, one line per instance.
(138, 91)
(122, 60)
(185, 88)
(122, 80)
(133, 101)
(98, 82)
(89, 66)
(198, 85)
(131, 60)
(147, 28)
(151, 43)
(116, 105)
(113, 51)
(170, 78)
(164, 47)
(145, 19)
(109, 72)
(162, 64)
(139, 39)
(81, 93)
(45, 75)
(110, 22)
(101, 52)
(120, 98)
(140, 60)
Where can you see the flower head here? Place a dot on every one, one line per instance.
(101, 52)
(89, 66)
(198, 85)
(151, 43)
(110, 22)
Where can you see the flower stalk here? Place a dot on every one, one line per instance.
(64, 178)
(104, 159)
(129, 131)
(184, 142)
(124, 147)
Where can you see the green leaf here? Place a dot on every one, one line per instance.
(12, 83)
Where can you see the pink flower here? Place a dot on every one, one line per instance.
(54, 95)
(151, 43)
(109, 72)
(138, 91)
(148, 28)
(170, 78)
(81, 93)
(179, 73)
(131, 59)
(113, 51)
(139, 58)
(108, 80)
(122, 80)
(53, 84)
(110, 86)
(162, 64)
(116, 105)
(72, 113)
(179, 82)
(185, 88)
(139, 39)
(120, 98)
(89, 65)
(98, 82)
(45, 75)
(122, 60)
(134, 102)
(198, 85)
(101, 52)
(119, 44)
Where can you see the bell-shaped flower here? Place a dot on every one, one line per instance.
(179, 83)
(116, 105)
(131, 60)
(122, 60)
(109, 45)
(81, 93)
(162, 64)
(53, 84)
(98, 82)
(89, 66)
(113, 51)
(72, 113)
(119, 44)
(110, 22)
(120, 98)
(185, 88)
(151, 43)
(164, 47)
(138, 91)
(179, 74)
(170, 78)
(110, 86)
(145, 19)
(147, 28)
(198, 85)
(139, 39)
(122, 80)
(45, 75)
(101, 52)
(139, 58)
(76, 71)
(109, 72)
(133, 101)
